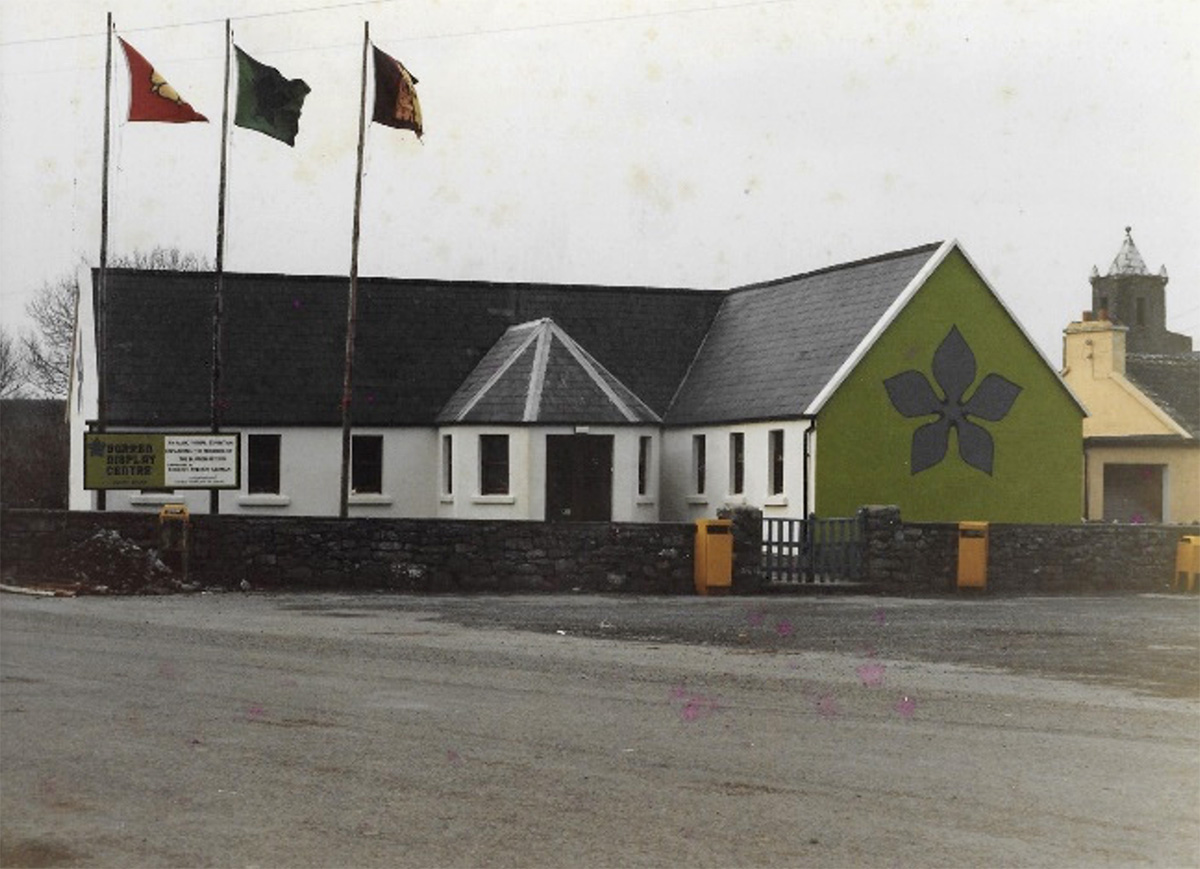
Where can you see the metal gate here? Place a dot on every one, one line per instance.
(812, 551)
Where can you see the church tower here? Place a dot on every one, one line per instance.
(1136, 299)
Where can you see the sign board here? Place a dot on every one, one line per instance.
(148, 460)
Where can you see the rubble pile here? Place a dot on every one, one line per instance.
(107, 563)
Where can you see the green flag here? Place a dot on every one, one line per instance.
(266, 101)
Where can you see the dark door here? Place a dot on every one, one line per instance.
(579, 478)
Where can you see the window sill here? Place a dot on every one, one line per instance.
(735, 501)
(446, 499)
(646, 500)
(155, 500)
(697, 499)
(493, 499)
(263, 499)
(775, 501)
(369, 499)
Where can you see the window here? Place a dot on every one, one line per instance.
(366, 464)
(737, 463)
(1141, 311)
(644, 447)
(447, 464)
(1135, 493)
(699, 461)
(493, 464)
(262, 464)
(775, 457)
(1104, 303)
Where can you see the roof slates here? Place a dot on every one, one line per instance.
(771, 348)
(536, 373)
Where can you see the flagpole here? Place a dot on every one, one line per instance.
(352, 301)
(102, 289)
(214, 495)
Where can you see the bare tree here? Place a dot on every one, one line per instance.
(12, 376)
(162, 259)
(46, 351)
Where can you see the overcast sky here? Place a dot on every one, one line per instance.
(682, 143)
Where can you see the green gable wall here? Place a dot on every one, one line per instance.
(864, 444)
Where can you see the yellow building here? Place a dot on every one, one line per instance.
(1141, 386)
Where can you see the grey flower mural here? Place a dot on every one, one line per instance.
(954, 370)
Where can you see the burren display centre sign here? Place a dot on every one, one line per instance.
(148, 460)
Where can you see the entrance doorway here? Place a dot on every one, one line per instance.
(579, 470)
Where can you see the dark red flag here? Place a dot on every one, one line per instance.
(396, 103)
(150, 97)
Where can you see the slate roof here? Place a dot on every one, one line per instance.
(536, 373)
(773, 346)
(1128, 260)
(684, 356)
(283, 340)
(1172, 381)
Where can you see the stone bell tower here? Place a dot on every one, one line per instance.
(1132, 297)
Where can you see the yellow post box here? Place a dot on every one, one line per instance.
(713, 567)
(1187, 564)
(174, 536)
(972, 554)
(174, 513)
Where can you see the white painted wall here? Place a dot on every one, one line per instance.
(413, 485)
(82, 398)
(628, 505)
(409, 474)
(310, 473)
(527, 473)
(466, 501)
(681, 502)
(310, 478)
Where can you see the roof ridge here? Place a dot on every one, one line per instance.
(377, 280)
(1186, 356)
(538, 336)
(537, 376)
(601, 375)
(508, 363)
(667, 411)
(910, 251)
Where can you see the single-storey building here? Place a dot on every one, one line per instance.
(899, 379)
(1141, 385)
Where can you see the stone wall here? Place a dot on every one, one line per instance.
(434, 555)
(29, 536)
(922, 557)
(907, 557)
(747, 548)
(425, 555)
